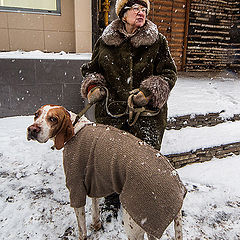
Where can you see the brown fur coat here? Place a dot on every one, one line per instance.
(123, 62)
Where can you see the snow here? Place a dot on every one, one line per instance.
(34, 202)
(41, 55)
(205, 94)
(187, 139)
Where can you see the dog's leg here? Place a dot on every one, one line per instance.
(96, 222)
(133, 231)
(81, 220)
(151, 237)
(178, 226)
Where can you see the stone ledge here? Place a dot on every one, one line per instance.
(205, 154)
(201, 120)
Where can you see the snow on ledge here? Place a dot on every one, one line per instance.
(191, 138)
(41, 55)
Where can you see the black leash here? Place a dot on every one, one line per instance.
(84, 110)
(134, 113)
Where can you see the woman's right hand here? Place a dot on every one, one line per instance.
(96, 94)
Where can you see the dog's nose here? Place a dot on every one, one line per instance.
(33, 131)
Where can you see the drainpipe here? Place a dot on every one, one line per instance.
(106, 10)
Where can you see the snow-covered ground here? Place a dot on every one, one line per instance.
(190, 139)
(196, 93)
(41, 55)
(34, 202)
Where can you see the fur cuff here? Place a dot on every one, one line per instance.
(159, 88)
(91, 79)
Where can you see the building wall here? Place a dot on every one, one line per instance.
(209, 42)
(83, 25)
(24, 89)
(234, 35)
(48, 33)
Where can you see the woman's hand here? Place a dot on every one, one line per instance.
(96, 94)
(141, 98)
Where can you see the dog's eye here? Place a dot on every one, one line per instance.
(53, 119)
(36, 115)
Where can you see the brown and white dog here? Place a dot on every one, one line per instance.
(56, 123)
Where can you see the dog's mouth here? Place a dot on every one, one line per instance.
(30, 137)
(33, 132)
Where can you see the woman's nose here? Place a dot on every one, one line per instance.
(141, 13)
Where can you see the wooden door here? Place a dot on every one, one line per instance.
(171, 18)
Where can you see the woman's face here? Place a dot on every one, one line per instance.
(136, 16)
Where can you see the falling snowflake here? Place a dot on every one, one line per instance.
(158, 155)
(143, 221)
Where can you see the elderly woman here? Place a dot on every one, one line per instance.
(131, 56)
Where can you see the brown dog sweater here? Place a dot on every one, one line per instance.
(101, 160)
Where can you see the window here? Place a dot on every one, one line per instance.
(32, 6)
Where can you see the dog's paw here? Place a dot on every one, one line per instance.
(97, 226)
(82, 238)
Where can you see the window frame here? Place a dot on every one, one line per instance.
(33, 10)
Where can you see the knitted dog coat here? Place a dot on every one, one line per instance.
(101, 160)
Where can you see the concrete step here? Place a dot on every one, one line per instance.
(198, 144)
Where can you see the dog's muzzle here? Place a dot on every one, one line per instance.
(32, 132)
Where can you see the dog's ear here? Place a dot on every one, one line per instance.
(65, 133)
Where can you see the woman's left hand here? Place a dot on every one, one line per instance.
(139, 98)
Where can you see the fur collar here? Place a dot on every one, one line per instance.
(114, 34)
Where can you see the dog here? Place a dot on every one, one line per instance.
(100, 160)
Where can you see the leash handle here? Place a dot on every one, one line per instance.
(130, 110)
(84, 110)
(107, 109)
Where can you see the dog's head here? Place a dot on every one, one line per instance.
(51, 122)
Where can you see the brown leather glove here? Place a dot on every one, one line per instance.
(96, 94)
(141, 97)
